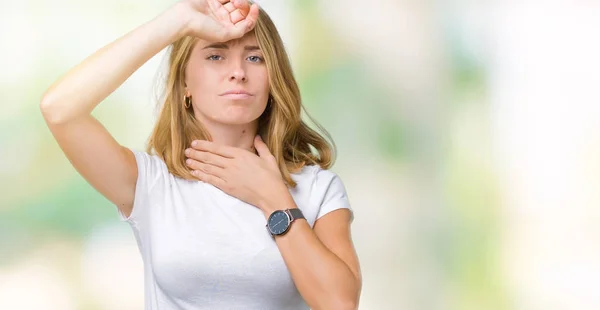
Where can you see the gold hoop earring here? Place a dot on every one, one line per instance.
(187, 102)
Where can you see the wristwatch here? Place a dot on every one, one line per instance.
(279, 222)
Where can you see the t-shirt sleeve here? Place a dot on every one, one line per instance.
(149, 171)
(335, 196)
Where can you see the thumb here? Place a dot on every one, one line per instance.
(247, 23)
(261, 147)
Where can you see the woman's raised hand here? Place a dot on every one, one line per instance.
(219, 20)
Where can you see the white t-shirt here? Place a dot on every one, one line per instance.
(205, 249)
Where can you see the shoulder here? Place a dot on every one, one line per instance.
(318, 178)
(326, 192)
(145, 159)
(313, 172)
(151, 167)
(318, 185)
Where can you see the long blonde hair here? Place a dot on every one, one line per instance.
(288, 137)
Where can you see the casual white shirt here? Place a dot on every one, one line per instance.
(205, 249)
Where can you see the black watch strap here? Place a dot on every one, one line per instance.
(295, 214)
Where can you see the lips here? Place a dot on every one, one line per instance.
(236, 94)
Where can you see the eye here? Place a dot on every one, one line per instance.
(214, 57)
(255, 59)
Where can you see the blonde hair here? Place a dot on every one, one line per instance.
(288, 137)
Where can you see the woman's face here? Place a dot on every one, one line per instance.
(228, 81)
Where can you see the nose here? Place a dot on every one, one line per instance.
(237, 72)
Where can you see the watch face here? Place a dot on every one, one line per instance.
(278, 222)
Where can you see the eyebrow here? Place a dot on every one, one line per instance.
(225, 46)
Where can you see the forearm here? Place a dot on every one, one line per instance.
(81, 89)
(322, 278)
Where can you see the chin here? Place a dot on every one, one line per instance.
(235, 121)
(236, 115)
(238, 118)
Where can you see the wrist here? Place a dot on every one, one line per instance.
(278, 199)
(179, 13)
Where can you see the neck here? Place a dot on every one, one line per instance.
(239, 136)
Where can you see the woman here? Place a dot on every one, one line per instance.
(223, 219)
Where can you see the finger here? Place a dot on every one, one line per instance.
(262, 148)
(248, 23)
(195, 165)
(236, 16)
(229, 7)
(211, 179)
(207, 158)
(218, 10)
(252, 15)
(215, 148)
(243, 5)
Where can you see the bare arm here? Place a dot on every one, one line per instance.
(79, 91)
(66, 106)
(322, 260)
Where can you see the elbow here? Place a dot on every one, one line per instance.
(341, 299)
(340, 304)
(46, 109)
(50, 112)
(347, 304)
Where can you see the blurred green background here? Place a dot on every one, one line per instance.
(467, 134)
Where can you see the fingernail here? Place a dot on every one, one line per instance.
(187, 151)
(189, 161)
(194, 143)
